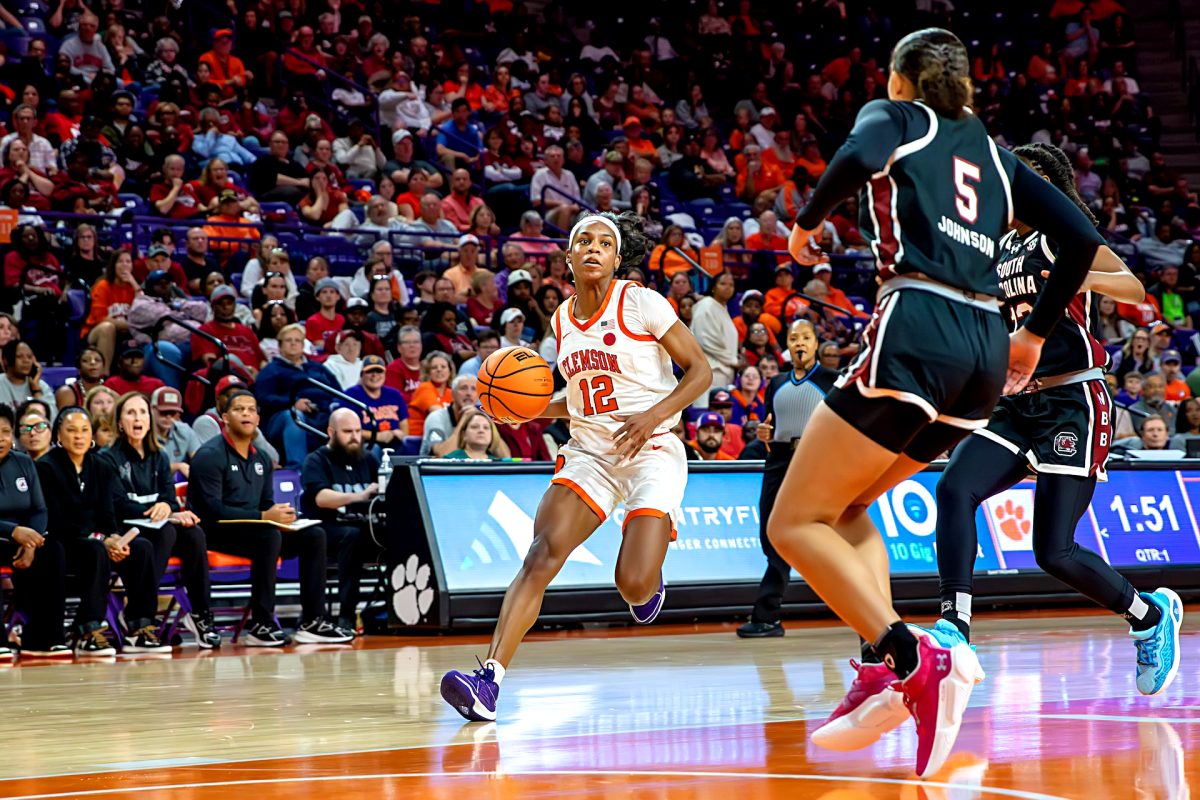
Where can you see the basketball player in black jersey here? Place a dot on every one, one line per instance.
(936, 355)
(1060, 428)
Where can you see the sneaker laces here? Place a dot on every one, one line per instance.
(99, 639)
(484, 672)
(1147, 651)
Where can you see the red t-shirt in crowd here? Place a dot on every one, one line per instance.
(403, 378)
(144, 384)
(186, 203)
(317, 327)
(238, 338)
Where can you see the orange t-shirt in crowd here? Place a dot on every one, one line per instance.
(109, 301)
(224, 70)
(1178, 390)
(769, 177)
(671, 263)
(761, 241)
(721, 454)
(426, 399)
(837, 297)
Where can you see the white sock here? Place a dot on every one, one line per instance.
(496, 667)
(1138, 609)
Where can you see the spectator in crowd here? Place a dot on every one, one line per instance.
(477, 439)
(1131, 390)
(218, 493)
(1153, 402)
(278, 383)
(768, 238)
(357, 152)
(22, 378)
(483, 299)
(1154, 435)
(86, 52)
(1187, 424)
(613, 174)
(33, 429)
(752, 312)
(229, 74)
(748, 397)
(42, 156)
(459, 141)
(1173, 299)
(276, 177)
(674, 255)
(431, 236)
(1135, 355)
(143, 490)
(129, 377)
(198, 262)
(92, 372)
(438, 437)
(830, 355)
(758, 344)
(99, 402)
(440, 332)
(340, 480)
(112, 297)
(1176, 388)
(86, 259)
(80, 481)
(833, 295)
(346, 361)
(487, 342)
(327, 321)
(38, 562)
(524, 440)
(437, 372)
(715, 331)
(1111, 329)
(1163, 248)
(175, 438)
(554, 190)
(458, 205)
(388, 409)
(239, 339)
(512, 327)
(462, 274)
(710, 435)
(404, 373)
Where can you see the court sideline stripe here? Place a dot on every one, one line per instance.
(1119, 718)
(1020, 794)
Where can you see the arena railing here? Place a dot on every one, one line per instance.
(337, 394)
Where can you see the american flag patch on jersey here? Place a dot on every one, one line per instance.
(606, 323)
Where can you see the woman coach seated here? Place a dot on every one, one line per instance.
(82, 518)
(143, 489)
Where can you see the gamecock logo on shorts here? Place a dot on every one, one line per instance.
(1066, 443)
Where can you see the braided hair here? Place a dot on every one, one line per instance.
(936, 62)
(1053, 164)
(634, 243)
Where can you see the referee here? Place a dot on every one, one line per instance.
(792, 397)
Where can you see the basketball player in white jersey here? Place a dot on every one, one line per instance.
(616, 342)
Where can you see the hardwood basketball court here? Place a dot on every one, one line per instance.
(665, 712)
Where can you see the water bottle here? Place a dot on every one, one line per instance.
(385, 470)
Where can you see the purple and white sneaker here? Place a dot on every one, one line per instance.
(474, 696)
(647, 611)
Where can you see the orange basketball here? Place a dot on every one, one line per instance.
(515, 385)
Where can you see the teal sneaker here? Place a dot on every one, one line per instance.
(1158, 647)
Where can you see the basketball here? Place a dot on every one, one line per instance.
(515, 385)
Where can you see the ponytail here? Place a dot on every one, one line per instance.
(1053, 164)
(936, 62)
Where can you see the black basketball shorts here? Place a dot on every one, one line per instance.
(930, 371)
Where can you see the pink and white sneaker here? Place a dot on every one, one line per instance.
(936, 695)
(871, 708)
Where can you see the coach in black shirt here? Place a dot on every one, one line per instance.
(231, 480)
(339, 481)
(791, 399)
(39, 563)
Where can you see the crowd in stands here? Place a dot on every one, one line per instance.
(332, 211)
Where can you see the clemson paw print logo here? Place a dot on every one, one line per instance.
(1010, 518)
(411, 593)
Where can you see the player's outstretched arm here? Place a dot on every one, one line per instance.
(1110, 277)
(685, 351)
(556, 410)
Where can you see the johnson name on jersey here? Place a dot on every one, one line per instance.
(1070, 346)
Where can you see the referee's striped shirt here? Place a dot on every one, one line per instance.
(791, 401)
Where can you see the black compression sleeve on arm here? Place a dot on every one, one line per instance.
(1049, 211)
(878, 131)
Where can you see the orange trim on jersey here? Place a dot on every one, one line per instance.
(640, 337)
(577, 489)
(583, 326)
(649, 512)
(558, 329)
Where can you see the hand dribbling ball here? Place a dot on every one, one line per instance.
(515, 385)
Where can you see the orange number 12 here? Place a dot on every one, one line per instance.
(597, 398)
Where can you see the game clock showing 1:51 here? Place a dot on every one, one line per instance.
(1144, 518)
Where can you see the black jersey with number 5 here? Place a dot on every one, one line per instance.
(943, 201)
(1070, 347)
